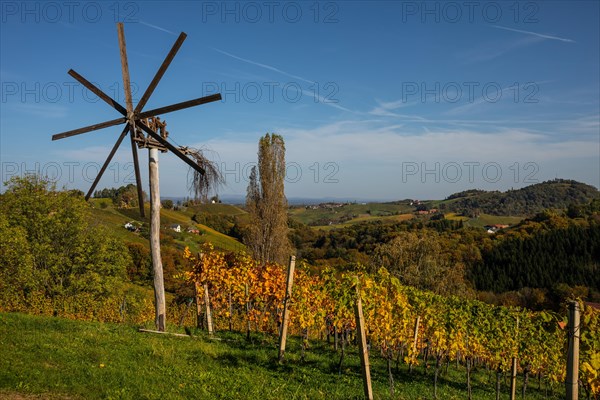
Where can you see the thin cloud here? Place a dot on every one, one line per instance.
(325, 101)
(495, 50)
(157, 27)
(534, 34)
(482, 100)
(385, 109)
(320, 99)
(269, 67)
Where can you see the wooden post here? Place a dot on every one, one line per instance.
(230, 311)
(513, 379)
(286, 307)
(513, 371)
(159, 285)
(414, 344)
(362, 346)
(209, 322)
(199, 317)
(247, 312)
(573, 352)
(416, 334)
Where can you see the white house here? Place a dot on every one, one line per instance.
(176, 228)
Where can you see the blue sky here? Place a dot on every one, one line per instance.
(375, 100)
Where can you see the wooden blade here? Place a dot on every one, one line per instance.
(89, 128)
(136, 167)
(124, 67)
(110, 156)
(180, 106)
(92, 88)
(172, 148)
(160, 72)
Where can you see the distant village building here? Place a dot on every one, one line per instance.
(131, 227)
(494, 228)
(193, 230)
(176, 228)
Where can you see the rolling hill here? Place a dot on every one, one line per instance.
(104, 213)
(530, 200)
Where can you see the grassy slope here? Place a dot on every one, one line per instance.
(114, 219)
(59, 358)
(485, 219)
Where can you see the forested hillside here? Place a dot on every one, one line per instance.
(527, 201)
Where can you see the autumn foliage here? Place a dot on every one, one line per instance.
(247, 295)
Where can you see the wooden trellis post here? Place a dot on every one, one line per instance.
(513, 379)
(414, 343)
(572, 380)
(209, 321)
(513, 371)
(286, 307)
(362, 346)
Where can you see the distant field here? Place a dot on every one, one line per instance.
(485, 219)
(219, 208)
(348, 214)
(456, 217)
(391, 218)
(339, 217)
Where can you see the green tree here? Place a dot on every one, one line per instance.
(127, 196)
(60, 252)
(267, 234)
(17, 273)
(423, 259)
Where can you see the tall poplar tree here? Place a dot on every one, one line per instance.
(267, 235)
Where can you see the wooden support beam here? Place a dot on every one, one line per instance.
(110, 156)
(136, 169)
(161, 71)
(124, 67)
(89, 128)
(180, 106)
(163, 333)
(286, 308)
(92, 88)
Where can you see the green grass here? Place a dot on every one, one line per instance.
(485, 219)
(218, 208)
(114, 219)
(208, 234)
(46, 357)
(355, 213)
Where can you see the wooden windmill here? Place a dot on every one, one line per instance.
(137, 122)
